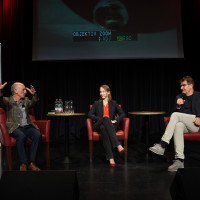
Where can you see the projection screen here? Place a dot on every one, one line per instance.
(107, 29)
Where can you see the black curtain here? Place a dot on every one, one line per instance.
(135, 84)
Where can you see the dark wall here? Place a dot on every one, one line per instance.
(136, 84)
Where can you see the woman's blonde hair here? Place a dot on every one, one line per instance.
(107, 89)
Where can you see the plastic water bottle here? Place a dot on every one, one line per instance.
(56, 106)
(60, 107)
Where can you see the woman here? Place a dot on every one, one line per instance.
(103, 112)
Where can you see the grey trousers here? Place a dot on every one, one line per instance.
(179, 124)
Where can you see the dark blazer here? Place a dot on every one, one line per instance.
(195, 103)
(96, 112)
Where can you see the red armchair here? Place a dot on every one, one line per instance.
(187, 136)
(122, 134)
(195, 136)
(8, 142)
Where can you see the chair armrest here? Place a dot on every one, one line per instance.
(124, 125)
(44, 126)
(166, 121)
(4, 135)
(195, 136)
(89, 128)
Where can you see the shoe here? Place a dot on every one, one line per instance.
(23, 167)
(175, 166)
(112, 164)
(157, 149)
(32, 167)
(122, 151)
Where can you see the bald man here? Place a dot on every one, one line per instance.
(19, 123)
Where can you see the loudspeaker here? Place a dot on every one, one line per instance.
(39, 185)
(186, 184)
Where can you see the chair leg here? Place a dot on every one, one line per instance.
(47, 154)
(9, 156)
(91, 150)
(126, 147)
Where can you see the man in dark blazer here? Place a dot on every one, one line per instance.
(185, 119)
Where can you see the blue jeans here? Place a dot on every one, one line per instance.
(21, 134)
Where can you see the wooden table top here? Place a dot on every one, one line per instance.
(147, 113)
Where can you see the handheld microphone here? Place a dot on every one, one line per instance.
(182, 96)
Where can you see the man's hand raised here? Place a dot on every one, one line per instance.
(2, 85)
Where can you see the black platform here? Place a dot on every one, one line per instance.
(185, 185)
(39, 185)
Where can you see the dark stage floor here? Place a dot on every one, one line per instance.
(139, 178)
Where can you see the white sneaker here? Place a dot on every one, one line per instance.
(157, 149)
(175, 166)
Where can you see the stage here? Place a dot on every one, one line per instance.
(137, 179)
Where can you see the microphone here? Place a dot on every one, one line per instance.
(182, 96)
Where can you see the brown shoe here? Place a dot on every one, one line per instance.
(32, 167)
(23, 167)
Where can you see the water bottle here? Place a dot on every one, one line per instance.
(61, 104)
(56, 106)
(60, 107)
